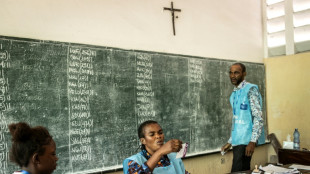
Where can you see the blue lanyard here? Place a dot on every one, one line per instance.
(25, 172)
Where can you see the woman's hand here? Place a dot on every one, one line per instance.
(173, 145)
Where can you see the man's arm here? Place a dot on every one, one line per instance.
(256, 110)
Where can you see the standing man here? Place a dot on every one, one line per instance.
(247, 122)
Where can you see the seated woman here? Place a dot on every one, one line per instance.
(155, 156)
(33, 149)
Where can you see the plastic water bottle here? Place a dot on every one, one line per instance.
(296, 139)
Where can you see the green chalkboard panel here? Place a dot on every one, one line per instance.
(93, 98)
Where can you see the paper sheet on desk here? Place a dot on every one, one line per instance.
(278, 170)
(182, 152)
(297, 166)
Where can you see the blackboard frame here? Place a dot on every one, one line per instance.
(171, 70)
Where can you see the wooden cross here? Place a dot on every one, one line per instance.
(172, 14)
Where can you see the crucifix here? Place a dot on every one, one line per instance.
(172, 14)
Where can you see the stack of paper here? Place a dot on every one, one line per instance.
(278, 170)
(304, 167)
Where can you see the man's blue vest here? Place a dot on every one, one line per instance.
(176, 165)
(242, 122)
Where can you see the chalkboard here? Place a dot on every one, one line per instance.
(93, 98)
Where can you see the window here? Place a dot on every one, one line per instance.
(300, 5)
(275, 10)
(276, 39)
(302, 18)
(302, 34)
(275, 23)
(287, 27)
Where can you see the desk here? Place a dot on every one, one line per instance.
(285, 166)
(290, 156)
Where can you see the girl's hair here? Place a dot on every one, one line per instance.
(141, 130)
(26, 141)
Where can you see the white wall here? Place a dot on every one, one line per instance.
(228, 29)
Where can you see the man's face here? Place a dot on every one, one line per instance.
(236, 75)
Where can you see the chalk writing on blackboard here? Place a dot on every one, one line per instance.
(4, 105)
(93, 98)
(145, 93)
(79, 92)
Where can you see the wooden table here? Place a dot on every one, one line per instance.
(291, 156)
(285, 166)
